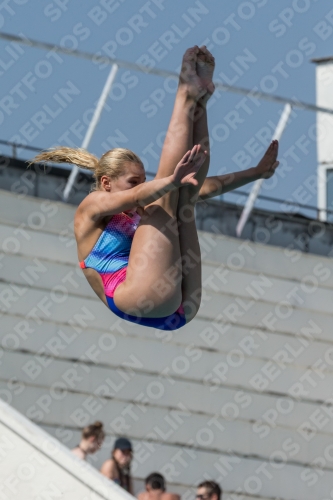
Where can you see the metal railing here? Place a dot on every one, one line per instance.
(15, 146)
(254, 92)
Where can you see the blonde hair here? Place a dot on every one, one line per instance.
(95, 430)
(111, 163)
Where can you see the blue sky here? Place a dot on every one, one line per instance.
(256, 43)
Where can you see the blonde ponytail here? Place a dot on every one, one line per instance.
(79, 157)
(111, 163)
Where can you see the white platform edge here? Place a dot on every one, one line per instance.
(60, 455)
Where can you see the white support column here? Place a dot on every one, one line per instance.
(324, 94)
(322, 192)
(257, 185)
(92, 127)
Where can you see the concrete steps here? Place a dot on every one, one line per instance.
(258, 358)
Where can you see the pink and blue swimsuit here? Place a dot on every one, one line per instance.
(109, 258)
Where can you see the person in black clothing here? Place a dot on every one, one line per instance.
(117, 468)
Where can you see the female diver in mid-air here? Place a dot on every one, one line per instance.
(137, 241)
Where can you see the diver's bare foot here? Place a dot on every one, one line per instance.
(205, 70)
(189, 79)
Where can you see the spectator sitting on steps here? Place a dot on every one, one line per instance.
(117, 468)
(208, 490)
(155, 489)
(91, 440)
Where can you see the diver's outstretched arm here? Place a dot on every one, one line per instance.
(100, 204)
(220, 184)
